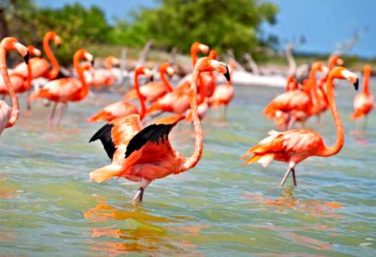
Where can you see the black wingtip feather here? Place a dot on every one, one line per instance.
(155, 133)
(104, 135)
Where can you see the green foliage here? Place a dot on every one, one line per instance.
(222, 24)
(76, 25)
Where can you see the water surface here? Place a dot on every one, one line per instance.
(48, 207)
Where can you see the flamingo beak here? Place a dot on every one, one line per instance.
(227, 74)
(92, 63)
(151, 78)
(356, 84)
(27, 57)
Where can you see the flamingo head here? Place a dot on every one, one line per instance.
(144, 71)
(112, 61)
(11, 44)
(367, 68)
(335, 60)
(166, 68)
(208, 64)
(320, 66)
(197, 46)
(342, 73)
(82, 54)
(51, 35)
(34, 51)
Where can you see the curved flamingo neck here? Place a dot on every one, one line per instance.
(4, 72)
(212, 83)
(55, 64)
(194, 51)
(140, 96)
(332, 150)
(166, 82)
(366, 75)
(199, 139)
(202, 88)
(80, 73)
(313, 88)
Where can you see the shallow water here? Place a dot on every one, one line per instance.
(48, 207)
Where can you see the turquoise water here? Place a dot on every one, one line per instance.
(48, 207)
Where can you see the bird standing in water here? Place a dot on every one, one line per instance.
(295, 145)
(143, 155)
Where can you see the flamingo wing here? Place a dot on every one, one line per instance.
(153, 135)
(117, 133)
(296, 145)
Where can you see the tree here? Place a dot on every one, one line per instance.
(222, 24)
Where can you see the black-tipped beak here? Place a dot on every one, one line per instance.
(227, 74)
(151, 78)
(92, 62)
(27, 58)
(356, 84)
(58, 46)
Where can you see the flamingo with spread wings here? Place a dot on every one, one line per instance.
(143, 155)
(295, 145)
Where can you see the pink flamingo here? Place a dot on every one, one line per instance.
(223, 93)
(363, 102)
(40, 66)
(178, 101)
(20, 82)
(105, 77)
(156, 89)
(9, 115)
(295, 145)
(144, 155)
(65, 90)
(124, 108)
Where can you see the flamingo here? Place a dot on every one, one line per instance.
(295, 145)
(19, 82)
(9, 115)
(363, 102)
(333, 61)
(223, 93)
(65, 90)
(296, 105)
(40, 66)
(154, 90)
(178, 101)
(105, 77)
(145, 154)
(124, 108)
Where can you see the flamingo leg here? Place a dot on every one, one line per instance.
(285, 177)
(294, 177)
(365, 122)
(139, 196)
(63, 107)
(50, 123)
(226, 111)
(28, 106)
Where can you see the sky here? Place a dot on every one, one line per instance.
(323, 23)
